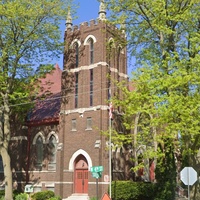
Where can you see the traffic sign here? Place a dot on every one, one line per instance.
(96, 174)
(188, 176)
(105, 197)
(96, 169)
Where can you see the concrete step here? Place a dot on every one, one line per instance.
(78, 197)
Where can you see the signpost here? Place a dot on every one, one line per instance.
(96, 173)
(188, 177)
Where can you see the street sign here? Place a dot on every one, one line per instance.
(96, 174)
(188, 176)
(96, 169)
(28, 188)
(105, 197)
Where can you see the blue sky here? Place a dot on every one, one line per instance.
(87, 10)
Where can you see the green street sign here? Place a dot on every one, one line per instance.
(96, 174)
(96, 169)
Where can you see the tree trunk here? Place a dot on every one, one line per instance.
(5, 138)
(135, 145)
(7, 173)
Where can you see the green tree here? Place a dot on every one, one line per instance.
(164, 38)
(29, 35)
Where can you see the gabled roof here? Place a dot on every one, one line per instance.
(51, 83)
(47, 110)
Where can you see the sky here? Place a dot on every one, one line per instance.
(87, 10)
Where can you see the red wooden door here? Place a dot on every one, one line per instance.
(81, 176)
(81, 185)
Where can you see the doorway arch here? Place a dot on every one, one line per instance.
(75, 155)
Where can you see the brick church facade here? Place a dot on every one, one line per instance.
(63, 137)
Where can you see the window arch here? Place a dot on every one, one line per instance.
(36, 136)
(75, 41)
(87, 39)
(39, 150)
(90, 40)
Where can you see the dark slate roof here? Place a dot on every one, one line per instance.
(46, 110)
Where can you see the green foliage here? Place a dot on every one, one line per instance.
(44, 195)
(128, 190)
(55, 198)
(30, 34)
(22, 196)
(164, 38)
(166, 174)
(93, 198)
(2, 193)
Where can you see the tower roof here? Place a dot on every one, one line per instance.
(69, 20)
(102, 11)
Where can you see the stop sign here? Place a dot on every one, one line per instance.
(188, 176)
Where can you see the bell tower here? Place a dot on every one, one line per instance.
(93, 61)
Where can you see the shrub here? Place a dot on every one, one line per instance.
(22, 196)
(93, 198)
(43, 195)
(128, 190)
(55, 198)
(2, 193)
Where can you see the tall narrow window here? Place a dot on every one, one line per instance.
(39, 150)
(76, 90)
(91, 87)
(89, 123)
(76, 54)
(91, 51)
(52, 149)
(73, 124)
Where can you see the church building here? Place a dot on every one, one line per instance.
(63, 147)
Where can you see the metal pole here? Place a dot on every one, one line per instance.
(97, 188)
(110, 158)
(188, 176)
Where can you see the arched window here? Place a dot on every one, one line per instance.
(52, 145)
(39, 150)
(111, 52)
(90, 40)
(76, 48)
(91, 51)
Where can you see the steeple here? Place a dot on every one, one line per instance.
(68, 20)
(123, 27)
(102, 11)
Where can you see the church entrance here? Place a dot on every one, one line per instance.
(81, 175)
